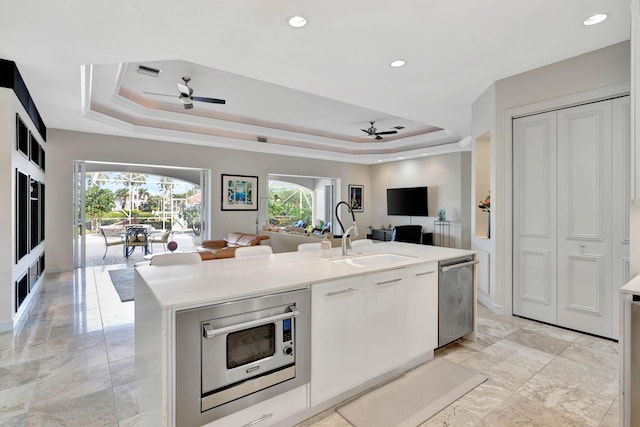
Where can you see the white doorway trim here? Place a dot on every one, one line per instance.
(81, 167)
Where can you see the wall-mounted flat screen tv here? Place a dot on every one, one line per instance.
(412, 201)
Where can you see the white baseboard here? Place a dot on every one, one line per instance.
(25, 306)
(488, 302)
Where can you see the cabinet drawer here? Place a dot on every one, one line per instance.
(268, 412)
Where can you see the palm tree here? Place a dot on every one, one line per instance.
(122, 194)
(166, 185)
(133, 181)
(97, 178)
(142, 195)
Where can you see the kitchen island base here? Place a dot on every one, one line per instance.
(373, 315)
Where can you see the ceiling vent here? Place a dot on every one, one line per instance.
(148, 71)
(262, 139)
(398, 127)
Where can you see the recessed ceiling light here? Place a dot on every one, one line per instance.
(297, 21)
(396, 63)
(379, 161)
(400, 158)
(595, 19)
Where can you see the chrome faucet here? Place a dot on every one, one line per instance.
(346, 244)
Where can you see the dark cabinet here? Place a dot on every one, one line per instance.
(427, 239)
(381, 234)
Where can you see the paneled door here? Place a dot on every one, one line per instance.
(584, 218)
(571, 204)
(534, 198)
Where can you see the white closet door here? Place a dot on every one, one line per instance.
(584, 218)
(621, 196)
(534, 249)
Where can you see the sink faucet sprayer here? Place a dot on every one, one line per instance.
(346, 245)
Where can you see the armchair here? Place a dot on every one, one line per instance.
(136, 236)
(162, 237)
(110, 241)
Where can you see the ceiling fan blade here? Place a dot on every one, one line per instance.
(366, 131)
(161, 94)
(387, 132)
(209, 100)
(188, 106)
(378, 137)
(184, 89)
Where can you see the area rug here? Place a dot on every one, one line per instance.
(122, 280)
(413, 398)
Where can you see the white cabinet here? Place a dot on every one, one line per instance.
(385, 321)
(268, 412)
(337, 337)
(421, 294)
(365, 326)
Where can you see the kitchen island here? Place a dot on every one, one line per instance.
(373, 314)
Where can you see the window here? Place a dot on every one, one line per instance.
(290, 204)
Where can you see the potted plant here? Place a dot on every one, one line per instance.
(485, 206)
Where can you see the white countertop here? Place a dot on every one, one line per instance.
(632, 287)
(214, 281)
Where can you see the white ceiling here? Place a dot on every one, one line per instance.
(308, 91)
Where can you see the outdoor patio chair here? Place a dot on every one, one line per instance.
(162, 237)
(136, 236)
(110, 241)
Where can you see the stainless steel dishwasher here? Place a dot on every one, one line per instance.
(455, 298)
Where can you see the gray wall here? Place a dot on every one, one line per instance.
(448, 177)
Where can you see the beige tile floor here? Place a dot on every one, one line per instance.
(71, 364)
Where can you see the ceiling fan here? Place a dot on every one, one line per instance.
(186, 95)
(373, 131)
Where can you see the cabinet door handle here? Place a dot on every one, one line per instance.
(425, 273)
(343, 291)
(388, 281)
(259, 420)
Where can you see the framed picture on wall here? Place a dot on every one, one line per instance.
(355, 197)
(239, 193)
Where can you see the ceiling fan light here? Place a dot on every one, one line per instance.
(595, 19)
(397, 63)
(297, 21)
(184, 99)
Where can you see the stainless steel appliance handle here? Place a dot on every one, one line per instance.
(462, 264)
(343, 291)
(259, 420)
(426, 272)
(209, 332)
(388, 281)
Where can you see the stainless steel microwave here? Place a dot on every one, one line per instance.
(239, 353)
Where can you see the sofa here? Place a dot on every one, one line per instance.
(226, 248)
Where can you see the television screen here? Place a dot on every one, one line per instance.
(412, 201)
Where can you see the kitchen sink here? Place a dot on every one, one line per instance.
(373, 260)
